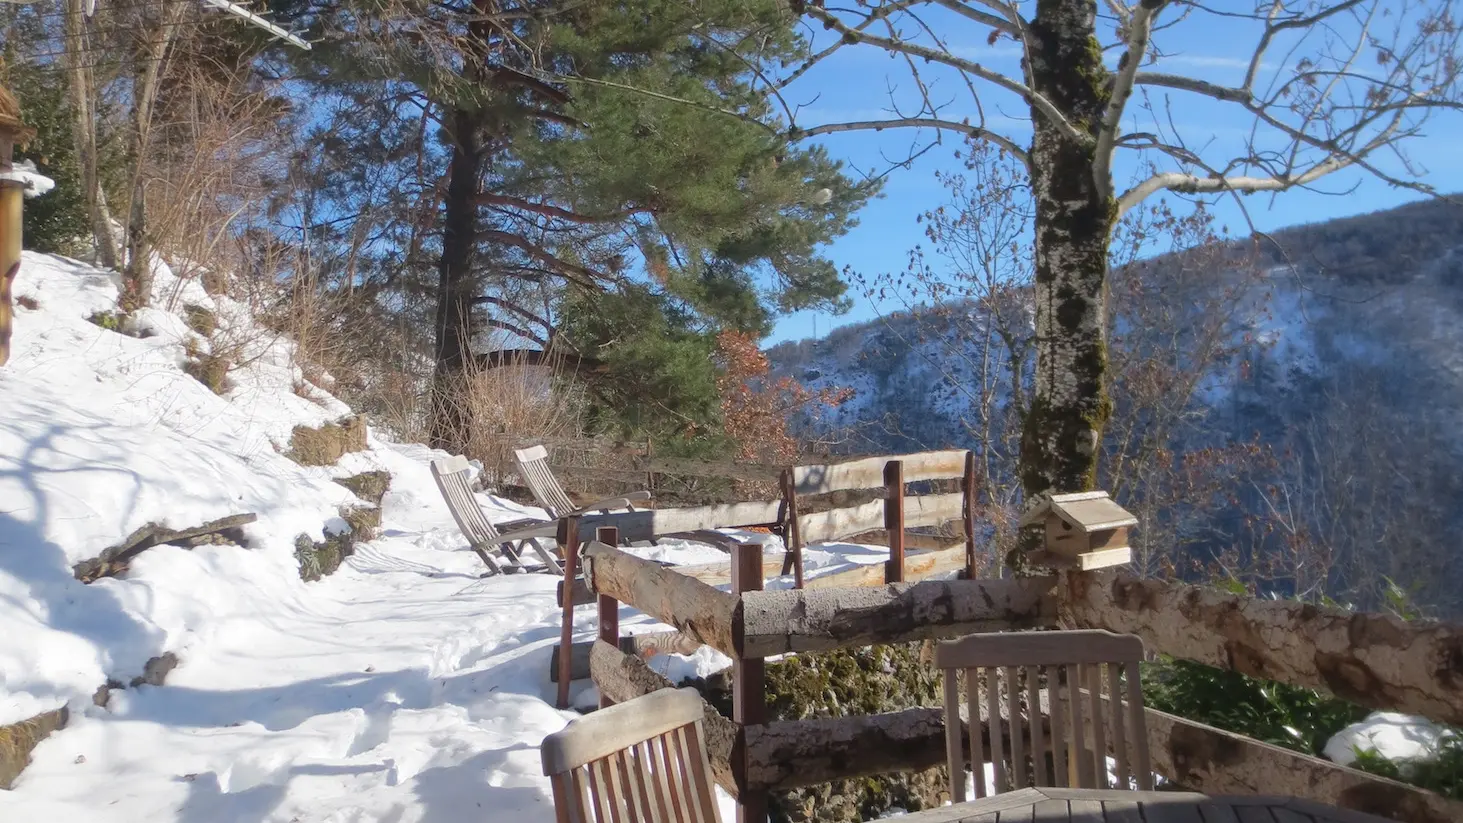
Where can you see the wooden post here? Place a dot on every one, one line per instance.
(11, 193)
(792, 539)
(894, 520)
(609, 608)
(967, 485)
(568, 538)
(749, 687)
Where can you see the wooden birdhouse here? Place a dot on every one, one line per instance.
(1085, 530)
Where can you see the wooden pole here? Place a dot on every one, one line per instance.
(568, 537)
(967, 485)
(791, 535)
(609, 608)
(11, 193)
(749, 689)
(894, 520)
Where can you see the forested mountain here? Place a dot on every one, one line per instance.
(1301, 394)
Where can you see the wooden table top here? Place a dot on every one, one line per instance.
(1111, 806)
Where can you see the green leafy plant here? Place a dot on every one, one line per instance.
(109, 320)
(1443, 775)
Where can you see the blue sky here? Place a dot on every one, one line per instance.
(856, 84)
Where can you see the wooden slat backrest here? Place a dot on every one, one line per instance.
(451, 476)
(1009, 668)
(533, 465)
(643, 761)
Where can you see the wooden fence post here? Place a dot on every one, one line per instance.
(791, 539)
(894, 520)
(568, 537)
(609, 608)
(749, 688)
(967, 512)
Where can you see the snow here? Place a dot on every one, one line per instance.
(402, 688)
(24, 172)
(1399, 738)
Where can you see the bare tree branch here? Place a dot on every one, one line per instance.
(1005, 143)
(1140, 28)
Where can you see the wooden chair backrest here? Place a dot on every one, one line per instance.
(451, 476)
(533, 465)
(1071, 666)
(638, 762)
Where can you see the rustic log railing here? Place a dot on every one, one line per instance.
(752, 756)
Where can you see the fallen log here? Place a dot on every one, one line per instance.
(624, 677)
(114, 559)
(1374, 660)
(778, 622)
(693, 607)
(643, 646)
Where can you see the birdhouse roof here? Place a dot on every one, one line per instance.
(1087, 511)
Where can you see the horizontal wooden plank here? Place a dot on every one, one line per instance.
(777, 622)
(644, 646)
(869, 471)
(650, 524)
(623, 677)
(917, 566)
(912, 540)
(1375, 660)
(693, 607)
(923, 510)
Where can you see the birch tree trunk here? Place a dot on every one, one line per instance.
(81, 88)
(1074, 220)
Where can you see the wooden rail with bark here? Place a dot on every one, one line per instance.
(696, 609)
(1375, 660)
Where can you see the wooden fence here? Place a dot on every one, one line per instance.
(1374, 660)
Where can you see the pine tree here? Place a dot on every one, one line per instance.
(648, 198)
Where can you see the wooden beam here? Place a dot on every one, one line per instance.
(778, 622)
(1374, 660)
(693, 607)
(623, 677)
(894, 520)
(915, 541)
(648, 525)
(917, 566)
(644, 646)
(608, 608)
(749, 691)
(869, 472)
(713, 573)
(568, 537)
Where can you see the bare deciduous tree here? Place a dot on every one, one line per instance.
(1326, 86)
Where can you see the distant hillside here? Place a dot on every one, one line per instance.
(1341, 355)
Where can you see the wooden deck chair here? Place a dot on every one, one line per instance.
(1059, 669)
(533, 467)
(451, 476)
(638, 762)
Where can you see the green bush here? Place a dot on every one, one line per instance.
(1443, 775)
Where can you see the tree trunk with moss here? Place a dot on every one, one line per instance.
(1074, 220)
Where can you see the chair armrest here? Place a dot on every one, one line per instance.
(542, 528)
(624, 502)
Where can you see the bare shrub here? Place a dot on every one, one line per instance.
(510, 405)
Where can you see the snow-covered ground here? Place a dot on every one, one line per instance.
(401, 688)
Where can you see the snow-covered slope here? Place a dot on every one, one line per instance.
(402, 688)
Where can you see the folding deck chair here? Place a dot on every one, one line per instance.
(533, 467)
(451, 476)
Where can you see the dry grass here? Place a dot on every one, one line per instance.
(509, 405)
(19, 739)
(327, 444)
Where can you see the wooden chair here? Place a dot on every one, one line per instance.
(1062, 670)
(638, 762)
(484, 538)
(533, 467)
